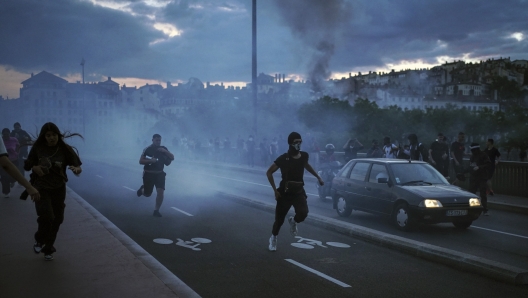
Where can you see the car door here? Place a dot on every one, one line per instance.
(355, 184)
(379, 196)
(340, 180)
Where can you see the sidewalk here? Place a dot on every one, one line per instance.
(93, 259)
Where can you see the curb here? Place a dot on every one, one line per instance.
(166, 276)
(452, 258)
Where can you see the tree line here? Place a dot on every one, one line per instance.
(335, 121)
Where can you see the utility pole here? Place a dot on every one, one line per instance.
(83, 107)
(82, 64)
(254, 67)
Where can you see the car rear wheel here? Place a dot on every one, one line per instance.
(343, 208)
(462, 224)
(402, 218)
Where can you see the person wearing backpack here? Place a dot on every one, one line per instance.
(389, 150)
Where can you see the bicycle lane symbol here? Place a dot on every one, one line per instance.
(193, 244)
(306, 243)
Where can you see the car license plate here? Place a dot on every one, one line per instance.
(456, 212)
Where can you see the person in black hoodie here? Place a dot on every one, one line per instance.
(290, 191)
(48, 160)
(479, 164)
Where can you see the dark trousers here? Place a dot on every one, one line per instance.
(284, 204)
(442, 166)
(50, 212)
(6, 180)
(480, 185)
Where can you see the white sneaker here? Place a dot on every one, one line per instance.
(273, 243)
(293, 226)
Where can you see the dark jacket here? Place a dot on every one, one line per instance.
(482, 161)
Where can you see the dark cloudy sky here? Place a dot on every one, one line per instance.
(136, 41)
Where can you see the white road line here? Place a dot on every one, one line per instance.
(510, 234)
(129, 188)
(99, 176)
(344, 285)
(250, 182)
(182, 211)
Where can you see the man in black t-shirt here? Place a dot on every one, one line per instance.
(494, 156)
(291, 191)
(154, 158)
(439, 155)
(458, 150)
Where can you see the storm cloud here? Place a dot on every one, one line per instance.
(211, 40)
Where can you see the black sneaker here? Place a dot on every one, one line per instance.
(48, 257)
(156, 213)
(140, 191)
(37, 247)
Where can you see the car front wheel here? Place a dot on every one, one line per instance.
(462, 224)
(343, 208)
(402, 218)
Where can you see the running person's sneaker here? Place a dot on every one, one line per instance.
(48, 257)
(140, 191)
(273, 243)
(6, 195)
(37, 247)
(156, 213)
(293, 226)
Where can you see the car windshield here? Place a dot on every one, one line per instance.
(406, 173)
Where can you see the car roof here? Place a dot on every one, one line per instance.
(389, 160)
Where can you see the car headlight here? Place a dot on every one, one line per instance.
(428, 203)
(474, 202)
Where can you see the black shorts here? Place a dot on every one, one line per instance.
(153, 179)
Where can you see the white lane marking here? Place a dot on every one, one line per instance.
(249, 182)
(129, 188)
(182, 211)
(99, 176)
(344, 285)
(510, 234)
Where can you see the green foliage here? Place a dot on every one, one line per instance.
(335, 121)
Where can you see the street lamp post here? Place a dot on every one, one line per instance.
(254, 66)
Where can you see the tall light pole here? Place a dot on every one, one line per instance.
(254, 67)
(82, 64)
(83, 107)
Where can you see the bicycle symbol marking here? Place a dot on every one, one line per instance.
(311, 243)
(193, 244)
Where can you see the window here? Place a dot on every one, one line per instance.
(344, 172)
(378, 171)
(359, 171)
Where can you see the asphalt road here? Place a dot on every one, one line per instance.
(219, 247)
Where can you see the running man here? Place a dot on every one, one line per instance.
(291, 191)
(154, 158)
